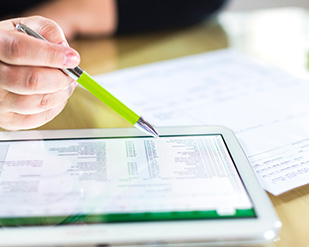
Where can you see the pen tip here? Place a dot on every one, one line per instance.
(146, 127)
(153, 132)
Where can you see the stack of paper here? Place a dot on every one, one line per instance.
(268, 109)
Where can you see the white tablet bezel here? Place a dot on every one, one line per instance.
(260, 230)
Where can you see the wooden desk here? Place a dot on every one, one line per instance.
(248, 32)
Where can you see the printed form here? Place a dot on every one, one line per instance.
(267, 108)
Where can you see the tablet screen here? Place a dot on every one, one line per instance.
(120, 179)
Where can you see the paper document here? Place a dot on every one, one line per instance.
(267, 108)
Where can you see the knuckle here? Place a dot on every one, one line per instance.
(44, 102)
(19, 79)
(33, 79)
(31, 104)
(12, 49)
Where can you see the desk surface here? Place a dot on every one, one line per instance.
(263, 34)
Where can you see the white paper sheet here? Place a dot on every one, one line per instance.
(268, 109)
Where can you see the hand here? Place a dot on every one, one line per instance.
(85, 17)
(32, 88)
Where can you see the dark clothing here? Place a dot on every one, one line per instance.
(12, 8)
(140, 15)
(145, 15)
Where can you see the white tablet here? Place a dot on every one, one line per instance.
(192, 186)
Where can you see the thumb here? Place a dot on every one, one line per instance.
(20, 49)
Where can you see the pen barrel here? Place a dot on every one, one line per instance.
(102, 94)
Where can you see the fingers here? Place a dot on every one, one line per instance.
(20, 49)
(32, 80)
(32, 88)
(15, 121)
(18, 111)
(34, 104)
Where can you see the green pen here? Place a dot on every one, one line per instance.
(84, 79)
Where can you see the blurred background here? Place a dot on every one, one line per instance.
(240, 5)
(275, 31)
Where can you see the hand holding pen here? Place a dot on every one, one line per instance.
(32, 88)
(76, 73)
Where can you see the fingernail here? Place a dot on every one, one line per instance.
(71, 59)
